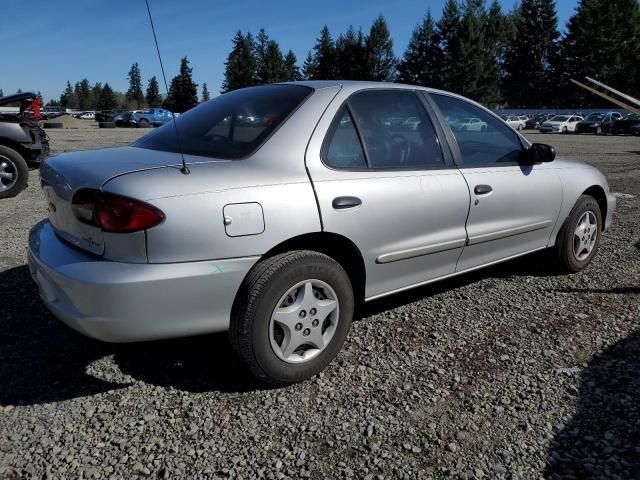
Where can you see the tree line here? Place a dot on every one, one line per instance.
(515, 59)
(183, 93)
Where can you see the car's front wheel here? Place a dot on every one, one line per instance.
(579, 237)
(291, 316)
(14, 172)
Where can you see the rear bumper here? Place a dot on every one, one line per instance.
(126, 302)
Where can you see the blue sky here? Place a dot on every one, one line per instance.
(51, 42)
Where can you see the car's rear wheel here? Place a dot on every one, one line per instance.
(579, 237)
(14, 172)
(599, 131)
(144, 123)
(291, 316)
(564, 129)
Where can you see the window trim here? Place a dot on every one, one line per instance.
(446, 155)
(453, 142)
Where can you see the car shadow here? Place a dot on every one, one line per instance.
(42, 360)
(601, 440)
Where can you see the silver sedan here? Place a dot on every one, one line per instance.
(271, 211)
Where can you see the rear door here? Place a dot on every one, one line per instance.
(383, 180)
(513, 207)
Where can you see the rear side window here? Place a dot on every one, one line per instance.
(231, 126)
(483, 139)
(343, 149)
(396, 130)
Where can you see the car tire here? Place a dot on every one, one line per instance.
(106, 125)
(520, 127)
(278, 283)
(144, 123)
(53, 125)
(564, 129)
(573, 252)
(599, 131)
(12, 163)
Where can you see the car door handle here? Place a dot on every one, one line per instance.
(340, 203)
(482, 189)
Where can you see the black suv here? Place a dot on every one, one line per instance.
(23, 144)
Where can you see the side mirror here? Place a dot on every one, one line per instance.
(539, 153)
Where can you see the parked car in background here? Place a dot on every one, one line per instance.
(516, 122)
(276, 232)
(561, 124)
(623, 126)
(158, 116)
(469, 124)
(23, 144)
(536, 121)
(85, 115)
(109, 115)
(597, 123)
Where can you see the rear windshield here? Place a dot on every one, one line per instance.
(230, 126)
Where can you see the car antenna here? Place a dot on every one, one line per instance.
(184, 168)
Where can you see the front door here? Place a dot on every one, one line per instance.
(514, 207)
(383, 181)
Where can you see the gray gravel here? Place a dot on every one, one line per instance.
(505, 373)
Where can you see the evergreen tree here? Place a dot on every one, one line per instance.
(602, 41)
(153, 97)
(500, 32)
(324, 57)
(96, 92)
(309, 67)
(240, 67)
(107, 98)
(205, 92)
(528, 61)
(83, 94)
(350, 55)
(68, 98)
(292, 72)
(380, 61)
(1, 93)
(262, 40)
(423, 57)
(449, 29)
(183, 92)
(273, 66)
(134, 94)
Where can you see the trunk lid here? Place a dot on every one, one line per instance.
(62, 175)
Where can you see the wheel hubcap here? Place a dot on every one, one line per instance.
(585, 236)
(8, 174)
(304, 321)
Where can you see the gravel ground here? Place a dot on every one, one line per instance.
(505, 373)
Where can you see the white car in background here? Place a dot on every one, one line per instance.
(469, 124)
(561, 124)
(516, 122)
(87, 116)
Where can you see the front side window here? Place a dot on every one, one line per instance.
(483, 139)
(395, 129)
(231, 126)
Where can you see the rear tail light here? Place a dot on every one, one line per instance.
(114, 213)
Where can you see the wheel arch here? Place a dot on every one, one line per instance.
(13, 145)
(597, 192)
(336, 246)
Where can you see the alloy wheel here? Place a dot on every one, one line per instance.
(304, 321)
(585, 236)
(8, 173)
